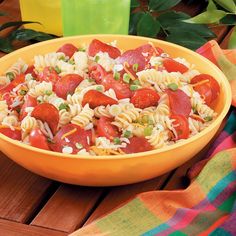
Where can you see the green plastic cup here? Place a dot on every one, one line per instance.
(95, 17)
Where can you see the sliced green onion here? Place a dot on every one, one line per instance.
(135, 67)
(10, 75)
(90, 80)
(148, 131)
(126, 78)
(116, 75)
(133, 87)
(57, 69)
(79, 145)
(71, 62)
(145, 119)
(81, 50)
(137, 82)
(208, 118)
(96, 58)
(64, 106)
(48, 92)
(50, 140)
(127, 134)
(22, 92)
(99, 88)
(116, 140)
(172, 86)
(194, 110)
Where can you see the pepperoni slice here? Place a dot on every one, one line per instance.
(209, 89)
(37, 139)
(133, 57)
(73, 136)
(106, 129)
(46, 112)
(137, 144)
(29, 102)
(30, 70)
(181, 126)
(67, 85)
(174, 66)
(179, 102)
(148, 51)
(97, 46)
(14, 134)
(145, 97)
(95, 98)
(68, 49)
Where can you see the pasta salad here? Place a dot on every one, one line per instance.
(98, 100)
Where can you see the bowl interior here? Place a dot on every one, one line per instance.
(128, 42)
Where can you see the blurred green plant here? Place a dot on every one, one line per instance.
(19, 34)
(219, 12)
(158, 20)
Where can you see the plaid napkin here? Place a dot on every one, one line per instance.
(206, 207)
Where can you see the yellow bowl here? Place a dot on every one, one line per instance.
(121, 169)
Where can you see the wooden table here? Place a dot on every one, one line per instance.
(33, 205)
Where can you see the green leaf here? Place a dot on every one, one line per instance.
(15, 24)
(28, 34)
(208, 17)
(170, 21)
(232, 39)
(148, 26)
(5, 45)
(227, 5)
(162, 5)
(228, 20)
(134, 4)
(187, 39)
(211, 6)
(134, 19)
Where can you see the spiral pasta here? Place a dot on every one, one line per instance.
(64, 116)
(28, 123)
(158, 138)
(3, 110)
(11, 121)
(17, 68)
(50, 59)
(41, 89)
(159, 79)
(84, 117)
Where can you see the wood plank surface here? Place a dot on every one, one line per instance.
(8, 228)
(68, 208)
(21, 192)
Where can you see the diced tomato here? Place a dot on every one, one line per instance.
(95, 98)
(97, 46)
(174, 66)
(122, 90)
(145, 97)
(30, 70)
(46, 112)
(179, 102)
(97, 72)
(14, 134)
(37, 139)
(181, 126)
(68, 49)
(106, 129)
(67, 85)
(209, 89)
(137, 144)
(133, 57)
(49, 74)
(73, 136)
(8, 88)
(29, 102)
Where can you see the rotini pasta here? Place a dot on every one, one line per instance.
(102, 103)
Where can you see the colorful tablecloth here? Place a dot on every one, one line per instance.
(206, 207)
